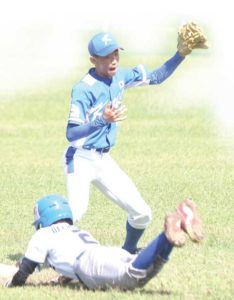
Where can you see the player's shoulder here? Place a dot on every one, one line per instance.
(50, 230)
(41, 235)
(122, 72)
(87, 83)
(42, 231)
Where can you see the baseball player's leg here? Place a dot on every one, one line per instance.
(177, 224)
(153, 257)
(104, 267)
(78, 179)
(132, 237)
(115, 184)
(78, 195)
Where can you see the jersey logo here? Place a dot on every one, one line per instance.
(106, 39)
(95, 112)
(121, 84)
(116, 103)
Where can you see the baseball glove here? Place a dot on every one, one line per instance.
(191, 36)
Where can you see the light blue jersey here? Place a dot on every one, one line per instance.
(91, 95)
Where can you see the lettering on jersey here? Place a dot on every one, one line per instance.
(76, 230)
(58, 228)
(96, 111)
(117, 101)
(55, 229)
(85, 236)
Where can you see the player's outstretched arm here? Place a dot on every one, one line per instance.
(162, 73)
(190, 37)
(26, 268)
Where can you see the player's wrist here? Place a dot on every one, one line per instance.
(101, 121)
(180, 54)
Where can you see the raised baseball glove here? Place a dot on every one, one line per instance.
(191, 36)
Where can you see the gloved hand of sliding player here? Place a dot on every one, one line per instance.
(191, 36)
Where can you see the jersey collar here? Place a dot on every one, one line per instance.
(93, 73)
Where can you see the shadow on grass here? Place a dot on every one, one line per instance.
(15, 257)
(76, 285)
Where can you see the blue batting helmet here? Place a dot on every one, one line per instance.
(50, 209)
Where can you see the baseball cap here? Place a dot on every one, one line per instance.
(103, 44)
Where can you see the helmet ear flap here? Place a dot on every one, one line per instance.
(38, 226)
(36, 214)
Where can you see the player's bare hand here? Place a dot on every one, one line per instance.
(8, 283)
(112, 114)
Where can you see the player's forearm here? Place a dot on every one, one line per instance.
(76, 131)
(26, 268)
(162, 73)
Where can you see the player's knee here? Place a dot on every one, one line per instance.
(138, 276)
(143, 276)
(144, 220)
(141, 220)
(156, 267)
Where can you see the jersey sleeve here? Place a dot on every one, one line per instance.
(164, 71)
(136, 76)
(140, 75)
(75, 131)
(80, 104)
(26, 268)
(37, 248)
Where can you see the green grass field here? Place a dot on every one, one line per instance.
(171, 147)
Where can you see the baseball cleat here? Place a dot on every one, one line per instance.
(172, 229)
(137, 250)
(190, 221)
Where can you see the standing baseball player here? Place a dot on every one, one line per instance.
(96, 108)
(74, 253)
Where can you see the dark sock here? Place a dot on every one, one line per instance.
(132, 238)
